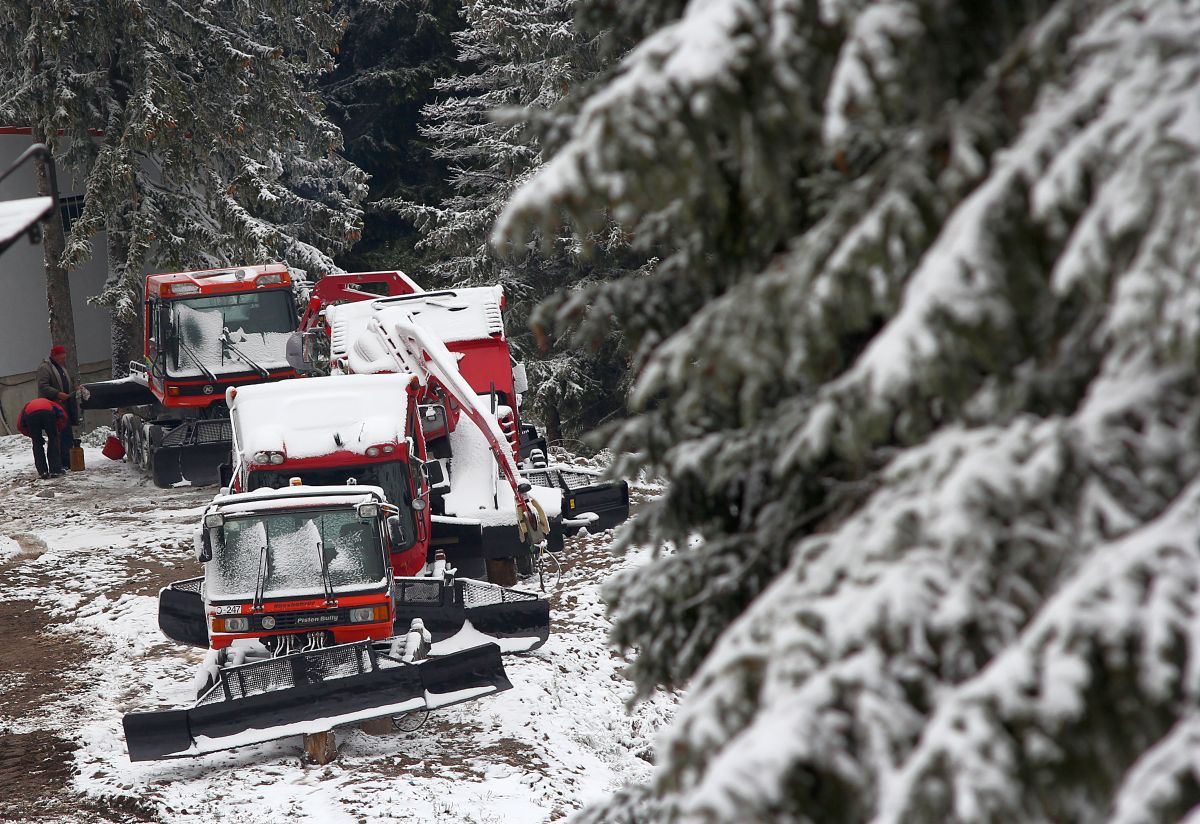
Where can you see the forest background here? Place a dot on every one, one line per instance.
(901, 297)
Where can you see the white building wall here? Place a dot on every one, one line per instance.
(24, 319)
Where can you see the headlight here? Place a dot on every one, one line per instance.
(361, 615)
(277, 458)
(268, 622)
(367, 510)
(214, 519)
(388, 449)
(372, 451)
(262, 457)
(234, 624)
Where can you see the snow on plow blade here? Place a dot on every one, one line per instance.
(516, 620)
(311, 692)
(587, 501)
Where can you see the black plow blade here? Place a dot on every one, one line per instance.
(181, 613)
(474, 612)
(199, 465)
(587, 501)
(311, 692)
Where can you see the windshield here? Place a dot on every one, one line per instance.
(391, 476)
(259, 324)
(296, 545)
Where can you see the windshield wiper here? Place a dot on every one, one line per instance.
(229, 343)
(263, 569)
(324, 572)
(188, 351)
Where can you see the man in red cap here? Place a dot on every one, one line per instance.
(42, 418)
(54, 384)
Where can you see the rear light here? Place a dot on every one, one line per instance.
(184, 289)
(362, 615)
(234, 624)
(173, 391)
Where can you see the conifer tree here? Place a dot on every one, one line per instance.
(921, 370)
(197, 130)
(520, 58)
(389, 58)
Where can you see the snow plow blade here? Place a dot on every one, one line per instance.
(514, 619)
(311, 692)
(181, 613)
(117, 393)
(199, 465)
(587, 501)
(193, 451)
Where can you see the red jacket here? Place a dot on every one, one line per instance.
(41, 405)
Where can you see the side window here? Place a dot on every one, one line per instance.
(152, 320)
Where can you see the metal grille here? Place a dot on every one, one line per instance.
(293, 620)
(290, 671)
(214, 431)
(576, 480)
(190, 585)
(561, 478)
(538, 477)
(418, 592)
(217, 430)
(479, 594)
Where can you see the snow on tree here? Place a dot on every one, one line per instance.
(521, 57)
(921, 370)
(212, 147)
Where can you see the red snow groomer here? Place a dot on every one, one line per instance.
(472, 519)
(205, 331)
(309, 627)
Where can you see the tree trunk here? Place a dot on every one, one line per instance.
(58, 287)
(553, 426)
(124, 335)
(320, 747)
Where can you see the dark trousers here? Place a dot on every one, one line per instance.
(66, 439)
(41, 425)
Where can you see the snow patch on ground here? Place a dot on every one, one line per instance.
(108, 540)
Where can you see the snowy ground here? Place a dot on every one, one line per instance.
(80, 571)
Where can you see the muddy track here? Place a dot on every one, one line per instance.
(47, 661)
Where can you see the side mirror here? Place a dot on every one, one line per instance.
(433, 473)
(295, 353)
(396, 533)
(520, 380)
(203, 545)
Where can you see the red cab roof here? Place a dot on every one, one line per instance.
(216, 281)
